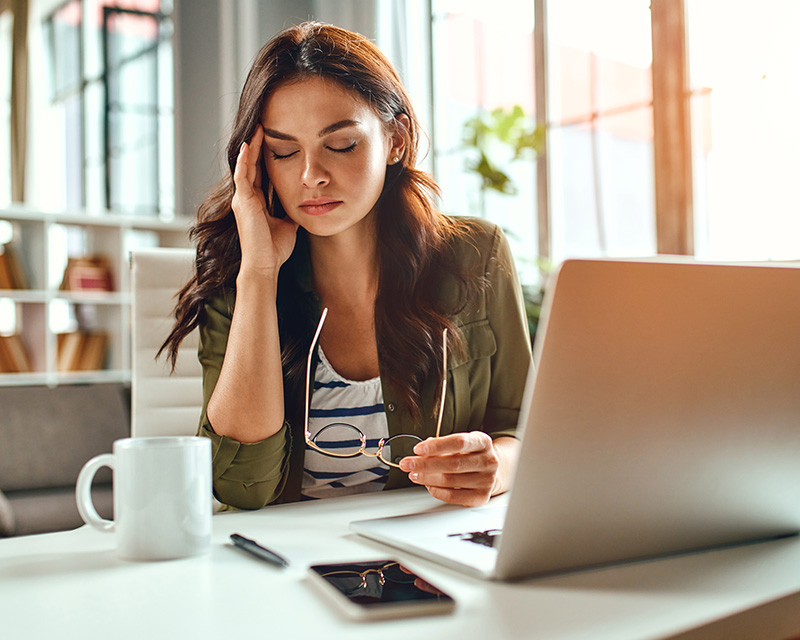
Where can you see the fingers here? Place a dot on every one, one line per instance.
(254, 167)
(473, 441)
(243, 186)
(455, 454)
(247, 173)
(466, 472)
(459, 468)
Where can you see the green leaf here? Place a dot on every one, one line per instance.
(507, 126)
(533, 140)
(492, 177)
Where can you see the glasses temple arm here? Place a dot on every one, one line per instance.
(308, 363)
(444, 383)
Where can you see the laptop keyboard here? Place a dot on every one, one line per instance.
(488, 538)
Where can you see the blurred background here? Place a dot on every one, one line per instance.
(128, 101)
(583, 128)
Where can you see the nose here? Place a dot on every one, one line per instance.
(314, 172)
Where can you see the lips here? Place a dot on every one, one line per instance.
(320, 206)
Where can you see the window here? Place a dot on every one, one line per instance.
(598, 119)
(600, 128)
(111, 79)
(627, 126)
(743, 69)
(483, 77)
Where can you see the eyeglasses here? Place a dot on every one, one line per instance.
(342, 440)
(351, 581)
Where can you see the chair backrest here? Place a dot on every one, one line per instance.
(162, 402)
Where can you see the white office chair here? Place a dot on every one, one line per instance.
(162, 403)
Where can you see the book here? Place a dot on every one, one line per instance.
(6, 364)
(68, 350)
(13, 355)
(81, 351)
(92, 355)
(87, 273)
(5, 273)
(19, 279)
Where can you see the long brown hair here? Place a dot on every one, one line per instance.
(414, 240)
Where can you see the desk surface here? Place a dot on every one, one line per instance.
(70, 585)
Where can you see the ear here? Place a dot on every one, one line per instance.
(399, 139)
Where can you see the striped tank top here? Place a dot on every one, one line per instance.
(339, 400)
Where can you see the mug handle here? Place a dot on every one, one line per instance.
(83, 492)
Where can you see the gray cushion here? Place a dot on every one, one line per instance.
(42, 511)
(6, 516)
(49, 433)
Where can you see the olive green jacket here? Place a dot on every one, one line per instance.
(484, 389)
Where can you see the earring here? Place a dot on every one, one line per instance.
(396, 159)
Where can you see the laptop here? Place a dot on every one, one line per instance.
(662, 416)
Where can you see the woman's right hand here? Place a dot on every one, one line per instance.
(266, 242)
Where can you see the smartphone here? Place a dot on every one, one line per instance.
(379, 590)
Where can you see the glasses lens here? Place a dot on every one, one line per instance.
(339, 439)
(396, 573)
(398, 447)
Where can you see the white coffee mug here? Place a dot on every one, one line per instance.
(162, 496)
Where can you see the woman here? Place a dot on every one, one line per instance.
(324, 210)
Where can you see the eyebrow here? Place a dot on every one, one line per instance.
(331, 128)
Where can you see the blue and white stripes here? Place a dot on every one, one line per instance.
(359, 403)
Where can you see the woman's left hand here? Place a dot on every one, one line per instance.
(463, 468)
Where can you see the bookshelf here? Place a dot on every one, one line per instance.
(41, 313)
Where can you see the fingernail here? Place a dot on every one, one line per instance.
(421, 449)
(414, 477)
(407, 464)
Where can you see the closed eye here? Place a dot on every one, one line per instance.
(344, 150)
(277, 156)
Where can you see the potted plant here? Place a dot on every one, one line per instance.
(506, 133)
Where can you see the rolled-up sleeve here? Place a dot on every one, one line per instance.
(245, 475)
(248, 476)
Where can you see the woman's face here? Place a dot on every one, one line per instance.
(326, 152)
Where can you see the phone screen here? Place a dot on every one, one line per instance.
(380, 583)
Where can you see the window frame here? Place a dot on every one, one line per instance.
(672, 161)
(85, 82)
(672, 144)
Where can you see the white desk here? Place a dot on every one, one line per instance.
(69, 585)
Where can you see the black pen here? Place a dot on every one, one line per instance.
(251, 546)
